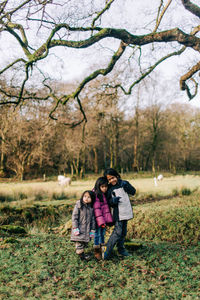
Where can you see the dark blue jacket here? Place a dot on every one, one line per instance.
(123, 209)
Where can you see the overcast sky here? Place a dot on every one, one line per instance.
(136, 16)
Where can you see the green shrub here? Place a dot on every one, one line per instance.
(22, 196)
(175, 192)
(4, 198)
(39, 196)
(59, 196)
(11, 229)
(179, 221)
(10, 240)
(28, 216)
(10, 198)
(186, 191)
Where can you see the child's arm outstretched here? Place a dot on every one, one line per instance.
(129, 189)
(75, 221)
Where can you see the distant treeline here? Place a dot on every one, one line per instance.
(151, 138)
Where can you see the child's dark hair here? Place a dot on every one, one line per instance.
(92, 196)
(100, 181)
(111, 171)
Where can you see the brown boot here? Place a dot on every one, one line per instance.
(97, 252)
(84, 256)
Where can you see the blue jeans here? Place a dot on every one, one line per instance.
(99, 236)
(117, 237)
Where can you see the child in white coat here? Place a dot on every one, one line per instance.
(122, 211)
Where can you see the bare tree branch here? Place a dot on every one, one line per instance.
(72, 124)
(10, 95)
(103, 72)
(75, 95)
(187, 76)
(11, 12)
(129, 91)
(11, 25)
(2, 6)
(171, 35)
(60, 35)
(165, 36)
(24, 45)
(23, 84)
(160, 16)
(42, 21)
(194, 9)
(108, 4)
(12, 64)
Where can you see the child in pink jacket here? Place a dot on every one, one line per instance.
(102, 214)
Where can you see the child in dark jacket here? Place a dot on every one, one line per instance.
(122, 211)
(83, 223)
(102, 215)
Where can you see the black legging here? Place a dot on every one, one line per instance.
(117, 237)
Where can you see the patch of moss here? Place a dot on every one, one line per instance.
(11, 229)
(133, 245)
(10, 240)
(175, 221)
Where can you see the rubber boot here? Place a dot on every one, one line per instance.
(84, 256)
(97, 252)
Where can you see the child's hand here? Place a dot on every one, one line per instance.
(92, 234)
(116, 200)
(123, 184)
(76, 231)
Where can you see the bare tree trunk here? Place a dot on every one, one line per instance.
(153, 165)
(22, 171)
(82, 171)
(72, 169)
(96, 167)
(136, 136)
(105, 154)
(147, 162)
(135, 160)
(41, 158)
(116, 146)
(2, 167)
(76, 165)
(3, 157)
(111, 153)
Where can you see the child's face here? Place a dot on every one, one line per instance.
(112, 179)
(104, 188)
(86, 198)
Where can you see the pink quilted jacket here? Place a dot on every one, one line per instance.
(102, 212)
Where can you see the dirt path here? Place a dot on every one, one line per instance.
(151, 199)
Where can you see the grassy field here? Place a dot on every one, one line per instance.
(46, 267)
(28, 193)
(43, 265)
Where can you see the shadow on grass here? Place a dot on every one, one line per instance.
(45, 266)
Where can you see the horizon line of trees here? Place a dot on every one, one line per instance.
(149, 138)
